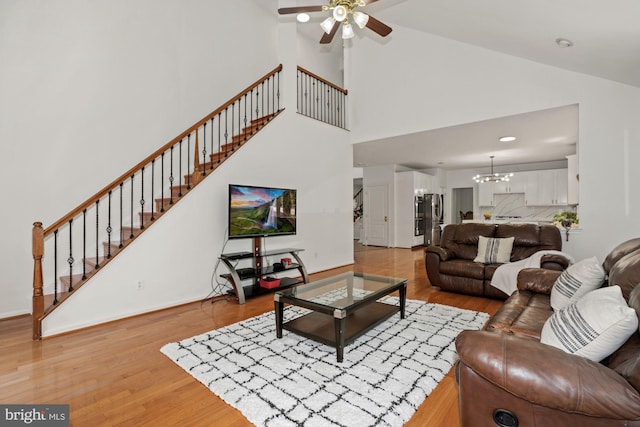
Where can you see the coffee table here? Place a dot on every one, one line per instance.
(343, 307)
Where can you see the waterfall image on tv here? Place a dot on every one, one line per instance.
(261, 211)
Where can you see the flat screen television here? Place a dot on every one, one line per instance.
(261, 211)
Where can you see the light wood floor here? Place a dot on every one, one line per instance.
(115, 375)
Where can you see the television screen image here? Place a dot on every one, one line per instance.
(261, 211)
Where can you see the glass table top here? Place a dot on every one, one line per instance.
(343, 290)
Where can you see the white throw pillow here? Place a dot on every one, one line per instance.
(576, 281)
(494, 251)
(593, 327)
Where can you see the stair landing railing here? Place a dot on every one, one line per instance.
(80, 243)
(320, 99)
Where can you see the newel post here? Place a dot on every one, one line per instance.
(38, 297)
(197, 174)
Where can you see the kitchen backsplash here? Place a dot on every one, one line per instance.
(513, 205)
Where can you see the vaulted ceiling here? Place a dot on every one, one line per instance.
(606, 43)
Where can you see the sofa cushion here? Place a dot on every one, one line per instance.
(462, 239)
(625, 273)
(492, 250)
(525, 234)
(626, 360)
(593, 327)
(463, 268)
(576, 281)
(523, 313)
(530, 238)
(489, 270)
(620, 251)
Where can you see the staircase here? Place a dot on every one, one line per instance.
(79, 244)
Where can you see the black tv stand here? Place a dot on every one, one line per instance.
(237, 275)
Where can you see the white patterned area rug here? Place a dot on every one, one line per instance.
(293, 381)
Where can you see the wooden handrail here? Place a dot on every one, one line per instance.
(358, 193)
(195, 172)
(90, 201)
(315, 76)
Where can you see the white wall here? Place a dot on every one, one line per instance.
(453, 83)
(175, 258)
(326, 60)
(88, 89)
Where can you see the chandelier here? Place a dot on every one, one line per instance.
(341, 11)
(492, 177)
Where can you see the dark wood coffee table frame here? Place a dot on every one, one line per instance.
(338, 327)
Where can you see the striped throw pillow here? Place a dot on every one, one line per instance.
(494, 251)
(576, 281)
(593, 327)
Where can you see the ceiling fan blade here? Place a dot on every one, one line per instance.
(299, 9)
(326, 38)
(377, 26)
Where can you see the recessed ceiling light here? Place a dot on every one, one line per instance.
(303, 17)
(507, 138)
(564, 42)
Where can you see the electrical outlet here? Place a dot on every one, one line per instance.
(140, 285)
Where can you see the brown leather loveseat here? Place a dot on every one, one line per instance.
(450, 265)
(506, 377)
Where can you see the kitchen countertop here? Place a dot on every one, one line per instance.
(519, 221)
(505, 221)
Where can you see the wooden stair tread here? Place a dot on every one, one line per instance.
(121, 239)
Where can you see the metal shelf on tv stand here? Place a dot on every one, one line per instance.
(237, 275)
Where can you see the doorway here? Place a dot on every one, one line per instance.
(461, 201)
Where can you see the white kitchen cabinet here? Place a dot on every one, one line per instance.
(562, 189)
(516, 184)
(546, 188)
(488, 190)
(485, 194)
(531, 188)
(540, 188)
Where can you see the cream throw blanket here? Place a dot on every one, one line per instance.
(505, 277)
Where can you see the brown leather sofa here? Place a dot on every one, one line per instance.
(506, 377)
(450, 265)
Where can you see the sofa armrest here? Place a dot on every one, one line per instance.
(442, 253)
(554, 262)
(539, 280)
(547, 376)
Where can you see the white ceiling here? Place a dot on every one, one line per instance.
(606, 37)
(542, 136)
(605, 33)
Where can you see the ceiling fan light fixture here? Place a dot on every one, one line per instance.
(327, 24)
(347, 31)
(360, 19)
(340, 13)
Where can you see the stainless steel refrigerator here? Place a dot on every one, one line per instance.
(428, 218)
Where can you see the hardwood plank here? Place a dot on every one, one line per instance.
(114, 374)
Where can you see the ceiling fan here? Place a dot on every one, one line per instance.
(341, 11)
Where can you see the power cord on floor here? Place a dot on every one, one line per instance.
(219, 289)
